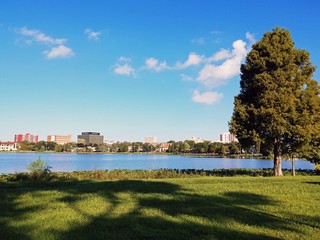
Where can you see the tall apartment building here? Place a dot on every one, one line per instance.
(151, 140)
(61, 140)
(27, 137)
(89, 138)
(227, 137)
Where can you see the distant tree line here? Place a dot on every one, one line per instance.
(205, 147)
(43, 146)
(123, 147)
(179, 147)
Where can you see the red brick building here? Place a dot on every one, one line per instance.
(27, 137)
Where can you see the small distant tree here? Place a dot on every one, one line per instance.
(184, 147)
(224, 150)
(31, 147)
(123, 147)
(174, 147)
(191, 143)
(234, 148)
(58, 148)
(50, 146)
(147, 147)
(24, 146)
(202, 147)
(136, 146)
(212, 148)
(39, 168)
(99, 148)
(114, 147)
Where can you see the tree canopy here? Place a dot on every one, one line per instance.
(278, 108)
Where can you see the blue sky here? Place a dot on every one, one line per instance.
(129, 69)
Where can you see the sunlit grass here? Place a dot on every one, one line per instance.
(184, 208)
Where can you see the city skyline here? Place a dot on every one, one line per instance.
(135, 68)
(60, 139)
(223, 137)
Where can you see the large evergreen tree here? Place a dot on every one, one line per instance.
(278, 107)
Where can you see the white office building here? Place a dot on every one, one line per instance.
(151, 140)
(8, 146)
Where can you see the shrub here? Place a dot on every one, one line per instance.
(39, 169)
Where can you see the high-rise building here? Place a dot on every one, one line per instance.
(27, 137)
(228, 137)
(89, 138)
(151, 140)
(61, 140)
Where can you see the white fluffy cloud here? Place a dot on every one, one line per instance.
(155, 64)
(125, 69)
(59, 52)
(221, 55)
(58, 49)
(186, 77)
(124, 59)
(215, 70)
(193, 59)
(208, 98)
(38, 36)
(92, 35)
(251, 38)
(215, 75)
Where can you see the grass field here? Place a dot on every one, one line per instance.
(185, 208)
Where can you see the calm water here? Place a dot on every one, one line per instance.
(17, 162)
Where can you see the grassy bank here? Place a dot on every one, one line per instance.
(148, 174)
(178, 208)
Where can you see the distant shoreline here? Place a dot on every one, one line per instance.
(207, 155)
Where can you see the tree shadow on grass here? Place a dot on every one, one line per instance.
(161, 210)
(314, 183)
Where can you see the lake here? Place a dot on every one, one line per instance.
(17, 162)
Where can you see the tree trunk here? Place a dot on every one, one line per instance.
(277, 158)
(292, 167)
(277, 165)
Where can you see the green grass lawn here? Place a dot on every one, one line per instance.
(185, 208)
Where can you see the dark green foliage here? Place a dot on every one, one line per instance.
(147, 147)
(136, 146)
(148, 174)
(123, 147)
(43, 146)
(278, 106)
(204, 148)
